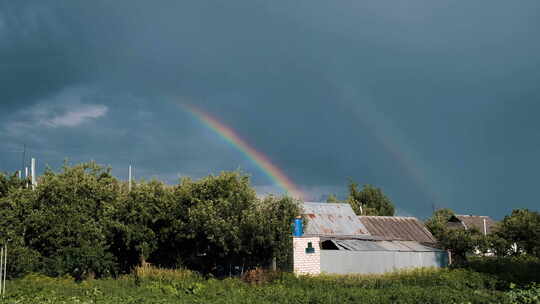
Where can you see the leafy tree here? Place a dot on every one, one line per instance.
(218, 222)
(209, 215)
(496, 244)
(369, 201)
(439, 220)
(136, 223)
(69, 220)
(267, 231)
(83, 222)
(14, 210)
(332, 199)
(521, 228)
(8, 182)
(459, 242)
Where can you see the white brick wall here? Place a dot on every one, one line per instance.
(306, 263)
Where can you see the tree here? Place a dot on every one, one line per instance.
(459, 242)
(439, 220)
(218, 222)
(14, 210)
(83, 222)
(137, 219)
(267, 231)
(69, 220)
(332, 198)
(369, 201)
(494, 243)
(207, 221)
(521, 228)
(8, 182)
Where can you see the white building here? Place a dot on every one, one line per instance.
(337, 241)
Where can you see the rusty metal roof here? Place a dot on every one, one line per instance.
(397, 228)
(363, 245)
(332, 219)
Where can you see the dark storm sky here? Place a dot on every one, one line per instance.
(436, 102)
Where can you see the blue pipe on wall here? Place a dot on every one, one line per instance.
(298, 229)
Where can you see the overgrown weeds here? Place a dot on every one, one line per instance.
(162, 274)
(528, 295)
(155, 285)
(260, 276)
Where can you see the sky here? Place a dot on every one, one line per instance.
(435, 102)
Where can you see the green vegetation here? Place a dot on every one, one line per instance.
(182, 286)
(529, 295)
(517, 235)
(82, 236)
(368, 201)
(85, 223)
(460, 242)
(8, 182)
(519, 270)
(521, 228)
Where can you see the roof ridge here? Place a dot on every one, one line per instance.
(325, 203)
(389, 216)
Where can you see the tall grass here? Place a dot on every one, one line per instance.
(163, 274)
(458, 279)
(156, 285)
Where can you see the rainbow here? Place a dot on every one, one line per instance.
(259, 159)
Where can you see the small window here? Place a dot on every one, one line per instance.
(310, 248)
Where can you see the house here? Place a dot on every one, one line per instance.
(336, 240)
(484, 224)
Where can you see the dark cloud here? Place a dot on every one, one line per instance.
(434, 102)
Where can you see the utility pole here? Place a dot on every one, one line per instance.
(33, 172)
(5, 270)
(24, 156)
(129, 179)
(1, 268)
(26, 175)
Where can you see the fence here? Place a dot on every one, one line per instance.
(3, 269)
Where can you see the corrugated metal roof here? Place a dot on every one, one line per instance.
(353, 245)
(332, 219)
(395, 246)
(397, 228)
(362, 245)
(416, 246)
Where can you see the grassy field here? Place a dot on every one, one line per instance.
(181, 286)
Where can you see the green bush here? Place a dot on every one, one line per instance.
(84, 222)
(529, 295)
(521, 270)
(458, 279)
(22, 261)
